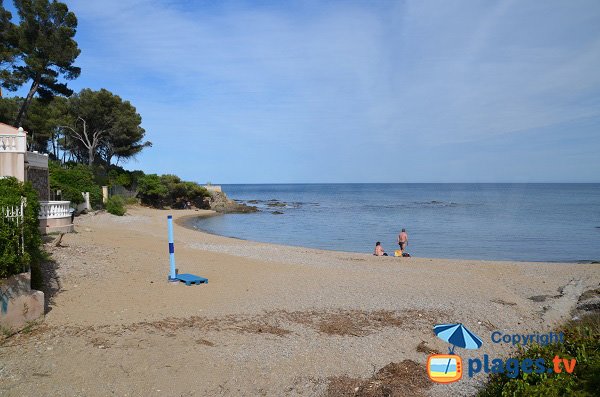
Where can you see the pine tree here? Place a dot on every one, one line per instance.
(46, 50)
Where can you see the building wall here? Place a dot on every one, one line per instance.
(39, 178)
(213, 188)
(12, 164)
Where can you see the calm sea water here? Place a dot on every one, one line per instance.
(527, 222)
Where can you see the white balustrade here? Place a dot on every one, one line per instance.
(13, 143)
(55, 209)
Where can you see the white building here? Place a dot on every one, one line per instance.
(16, 161)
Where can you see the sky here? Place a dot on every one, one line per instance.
(353, 91)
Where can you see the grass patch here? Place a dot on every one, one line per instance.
(582, 342)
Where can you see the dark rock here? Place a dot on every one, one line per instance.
(219, 202)
(277, 213)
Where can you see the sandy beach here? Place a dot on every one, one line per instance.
(273, 320)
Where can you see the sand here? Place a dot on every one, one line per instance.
(273, 320)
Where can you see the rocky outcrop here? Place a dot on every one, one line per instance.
(219, 202)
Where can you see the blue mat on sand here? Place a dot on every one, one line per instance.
(190, 279)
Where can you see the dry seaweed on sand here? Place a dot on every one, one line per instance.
(406, 378)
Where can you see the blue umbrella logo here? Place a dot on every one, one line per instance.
(458, 336)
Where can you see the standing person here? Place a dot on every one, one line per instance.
(403, 239)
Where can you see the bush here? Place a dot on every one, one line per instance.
(131, 200)
(12, 259)
(116, 205)
(151, 191)
(169, 190)
(74, 179)
(582, 342)
(118, 176)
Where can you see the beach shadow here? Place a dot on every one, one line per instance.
(51, 281)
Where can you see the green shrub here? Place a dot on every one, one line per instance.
(169, 190)
(74, 179)
(116, 205)
(12, 259)
(151, 191)
(582, 342)
(131, 200)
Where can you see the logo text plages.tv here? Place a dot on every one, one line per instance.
(448, 368)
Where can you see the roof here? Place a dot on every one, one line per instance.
(6, 129)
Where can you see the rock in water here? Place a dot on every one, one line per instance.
(219, 202)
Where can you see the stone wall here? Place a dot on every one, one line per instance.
(39, 179)
(19, 304)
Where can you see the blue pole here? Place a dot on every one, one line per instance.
(172, 275)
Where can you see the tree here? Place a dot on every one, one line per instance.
(103, 125)
(124, 138)
(9, 108)
(7, 42)
(42, 123)
(46, 51)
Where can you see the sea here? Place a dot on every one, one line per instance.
(519, 222)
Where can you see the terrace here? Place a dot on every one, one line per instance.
(17, 161)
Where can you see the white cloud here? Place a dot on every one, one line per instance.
(348, 73)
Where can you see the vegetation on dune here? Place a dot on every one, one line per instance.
(169, 190)
(582, 342)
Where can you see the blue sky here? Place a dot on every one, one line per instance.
(353, 91)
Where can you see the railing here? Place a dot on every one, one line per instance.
(54, 209)
(15, 214)
(13, 143)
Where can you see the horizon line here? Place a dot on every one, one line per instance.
(404, 183)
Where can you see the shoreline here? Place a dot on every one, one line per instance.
(273, 320)
(185, 222)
